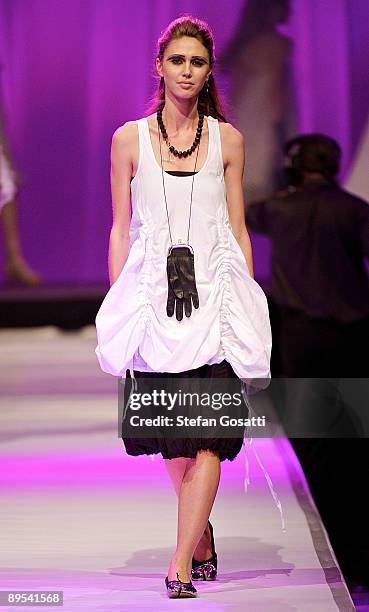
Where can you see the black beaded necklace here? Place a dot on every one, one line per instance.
(171, 148)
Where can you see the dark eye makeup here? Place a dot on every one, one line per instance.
(177, 59)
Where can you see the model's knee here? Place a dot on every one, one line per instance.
(207, 453)
(177, 461)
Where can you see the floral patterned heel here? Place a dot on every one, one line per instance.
(208, 569)
(177, 588)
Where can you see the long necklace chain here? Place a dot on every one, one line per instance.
(165, 196)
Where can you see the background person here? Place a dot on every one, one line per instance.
(320, 290)
(16, 269)
(257, 60)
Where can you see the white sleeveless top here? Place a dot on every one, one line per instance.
(232, 321)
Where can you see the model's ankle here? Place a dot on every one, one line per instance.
(180, 567)
(203, 549)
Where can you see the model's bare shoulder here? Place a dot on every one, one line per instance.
(124, 146)
(233, 142)
(230, 134)
(125, 134)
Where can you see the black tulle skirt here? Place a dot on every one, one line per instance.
(170, 448)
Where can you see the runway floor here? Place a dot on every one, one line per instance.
(79, 515)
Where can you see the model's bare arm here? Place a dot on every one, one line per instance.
(120, 177)
(234, 161)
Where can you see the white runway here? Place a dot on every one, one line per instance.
(80, 516)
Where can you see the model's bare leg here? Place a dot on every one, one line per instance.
(196, 497)
(176, 469)
(16, 269)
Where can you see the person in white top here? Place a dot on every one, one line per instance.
(16, 269)
(193, 310)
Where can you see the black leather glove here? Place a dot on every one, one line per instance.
(182, 289)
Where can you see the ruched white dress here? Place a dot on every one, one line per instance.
(232, 321)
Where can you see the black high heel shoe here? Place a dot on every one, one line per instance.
(177, 588)
(208, 569)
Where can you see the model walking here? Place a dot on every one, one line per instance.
(183, 299)
(16, 268)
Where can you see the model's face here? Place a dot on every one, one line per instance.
(185, 67)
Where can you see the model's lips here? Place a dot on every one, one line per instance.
(185, 84)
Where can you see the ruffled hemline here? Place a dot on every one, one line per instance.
(227, 449)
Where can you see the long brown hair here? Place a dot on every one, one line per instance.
(186, 25)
